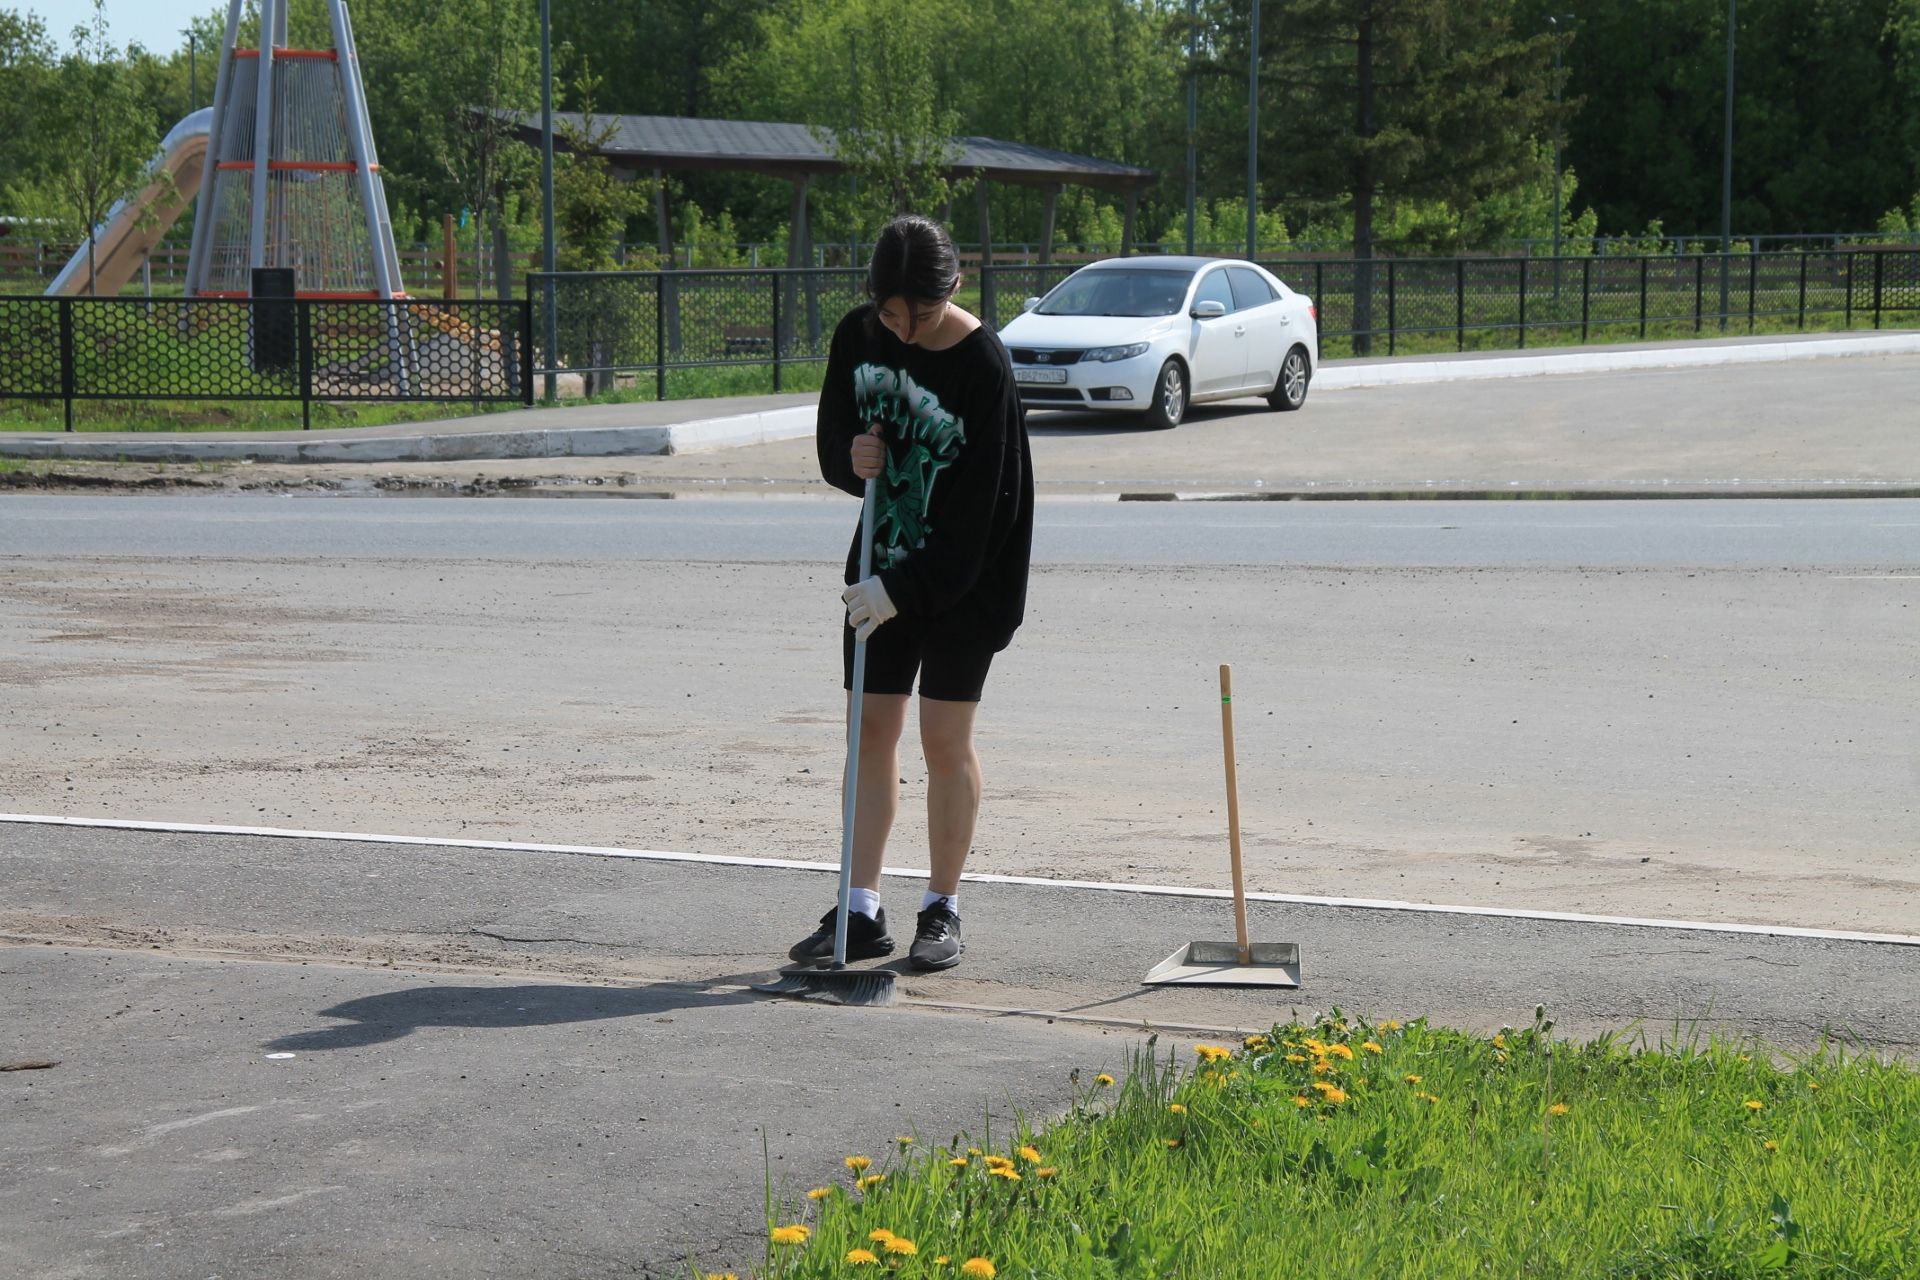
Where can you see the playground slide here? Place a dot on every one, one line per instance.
(121, 242)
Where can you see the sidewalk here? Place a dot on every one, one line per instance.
(678, 427)
(347, 1058)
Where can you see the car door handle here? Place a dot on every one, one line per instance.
(1240, 331)
(1286, 319)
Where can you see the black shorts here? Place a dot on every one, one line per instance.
(952, 668)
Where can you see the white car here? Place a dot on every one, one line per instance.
(1153, 335)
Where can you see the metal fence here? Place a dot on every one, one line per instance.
(604, 324)
(302, 349)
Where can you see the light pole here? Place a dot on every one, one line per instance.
(1193, 111)
(546, 186)
(193, 70)
(1555, 20)
(1253, 133)
(1726, 169)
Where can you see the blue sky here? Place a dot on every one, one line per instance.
(157, 24)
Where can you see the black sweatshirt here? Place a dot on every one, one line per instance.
(953, 515)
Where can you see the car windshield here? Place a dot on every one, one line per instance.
(1118, 292)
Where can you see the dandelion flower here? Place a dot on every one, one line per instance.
(973, 1151)
(1254, 1044)
(905, 1139)
(1558, 1109)
(1300, 1100)
(871, 1181)
(997, 1162)
(1754, 1104)
(796, 1233)
(1371, 1047)
(1500, 1042)
(819, 1193)
(1296, 1057)
(1046, 1171)
(1030, 1154)
(958, 1162)
(1499, 1055)
(941, 1260)
(1334, 1096)
(978, 1268)
(1314, 1046)
(1322, 1067)
(1813, 1084)
(1428, 1097)
(1413, 1079)
(900, 1246)
(1172, 1143)
(879, 1235)
(722, 1275)
(1212, 1052)
(859, 1164)
(1771, 1145)
(1391, 1024)
(1178, 1108)
(1340, 1051)
(862, 1257)
(1004, 1171)
(1104, 1081)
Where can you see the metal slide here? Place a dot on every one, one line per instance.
(134, 225)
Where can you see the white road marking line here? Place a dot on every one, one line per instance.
(788, 864)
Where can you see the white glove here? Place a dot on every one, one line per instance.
(867, 606)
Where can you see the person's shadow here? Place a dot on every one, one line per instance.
(393, 1014)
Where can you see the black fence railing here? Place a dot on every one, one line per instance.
(303, 349)
(606, 324)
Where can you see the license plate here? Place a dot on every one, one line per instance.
(1039, 375)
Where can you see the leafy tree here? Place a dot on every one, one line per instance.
(899, 139)
(26, 72)
(104, 133)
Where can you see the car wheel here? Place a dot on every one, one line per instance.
(1169, 397)
(1290, 390)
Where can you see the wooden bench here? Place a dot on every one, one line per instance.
(747, 340)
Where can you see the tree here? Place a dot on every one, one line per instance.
(899, 140)
(26, 71)
(106, 135)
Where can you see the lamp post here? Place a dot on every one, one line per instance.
(193, 70)
(546, 186)
(1726, 168)
(1193, 111)
(1253, 133)
(1555, 20)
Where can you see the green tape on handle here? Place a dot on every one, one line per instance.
(1226, 698)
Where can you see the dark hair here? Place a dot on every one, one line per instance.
(913, 259)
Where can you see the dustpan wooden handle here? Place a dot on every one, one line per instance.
(1233, 816)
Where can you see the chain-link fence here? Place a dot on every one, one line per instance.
(303, 349)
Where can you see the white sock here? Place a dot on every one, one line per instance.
(865, 901)
(951, 899)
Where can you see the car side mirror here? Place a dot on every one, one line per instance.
(1030, 304)
(1208, 309)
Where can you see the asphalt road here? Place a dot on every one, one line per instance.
(343, 1059)
(1627, 534)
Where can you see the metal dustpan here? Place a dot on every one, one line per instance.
(1239, 963)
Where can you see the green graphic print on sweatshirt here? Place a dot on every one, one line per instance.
(928, 439)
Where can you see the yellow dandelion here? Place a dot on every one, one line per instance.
(862, 1257)
(905, 1139)
(941, 1260)
(901, 1247)
(1391, 1024)
(819, 1193)
(1334, 1096)
(1754, 1104)
(1500, 1042)
(1178, 1108)
(1745, 1058)
(1322, 1067)
(1771, 1145)
(1104, 1081)
(958, 1162)
(1030, 1154)
(1296, 1057)
(1428, 1097)
(1046, 1171)
(722, 1275)
(1558, 1109)
(978, 1268)
(871, 1181)
(1255, 1044)
(1314, 1046)
(1499, 1056)
(795, 1233)
(1172, 1143)
(997, 1162)
(973, 1151)
(1412, 1079)
(859, 1164)
(1813, 1084)
(1004, 1171)
(1212, 1052)
(1300, 1101)
(1371, 1047)
(879, 1235)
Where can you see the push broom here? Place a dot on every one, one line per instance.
(1239, 963)
(831, 980)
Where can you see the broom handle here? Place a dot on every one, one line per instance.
(851, 786)
(1233, 816)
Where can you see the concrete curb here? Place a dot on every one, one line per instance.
(797, 421)
(1341, 377)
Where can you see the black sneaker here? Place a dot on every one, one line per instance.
(867, 938)
(936, 938)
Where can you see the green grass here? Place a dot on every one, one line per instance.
(1428, 1153)
(220, 415)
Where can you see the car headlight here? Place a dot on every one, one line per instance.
(1107, 355)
